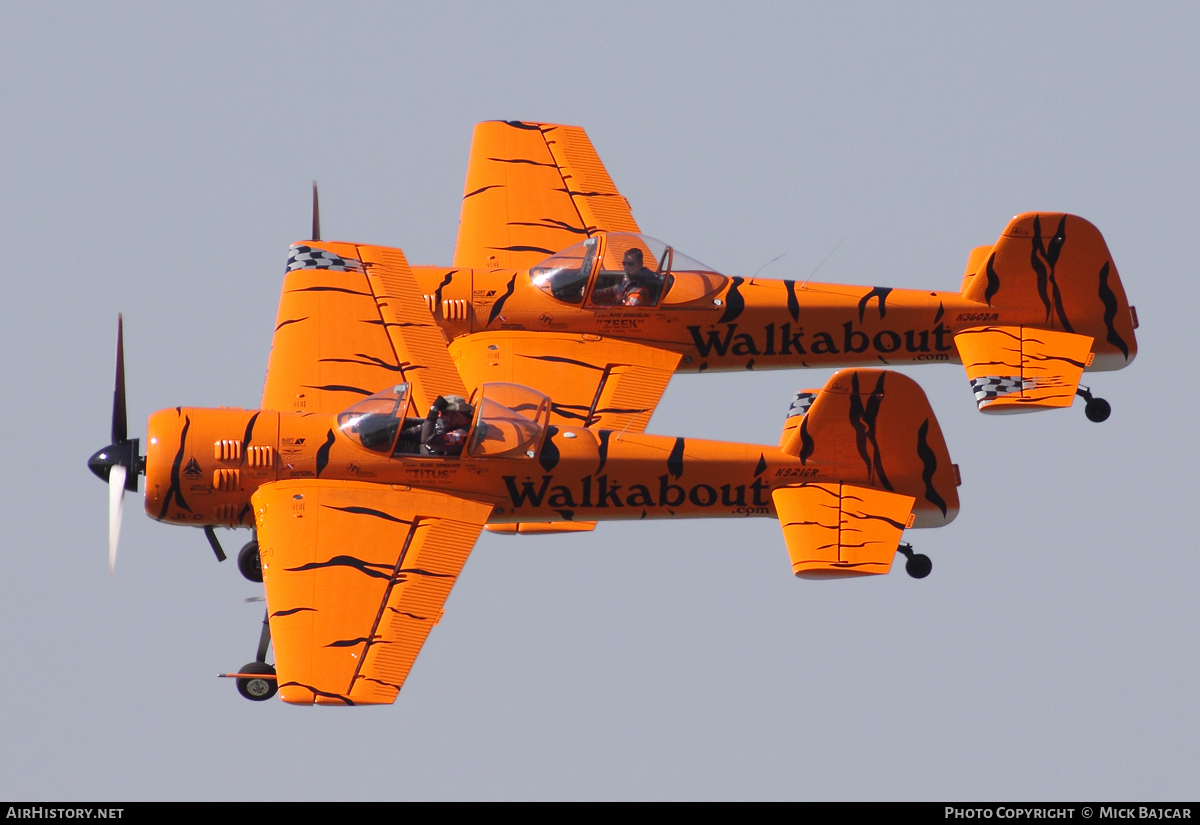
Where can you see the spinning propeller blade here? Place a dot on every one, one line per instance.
(120, 425)
(116, 504)
(118, 464)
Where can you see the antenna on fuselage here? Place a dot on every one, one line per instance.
(823, 260)
(768, 263)
(316, 227)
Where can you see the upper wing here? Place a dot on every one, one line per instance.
(356, 575)
(591, 381)
(352, 321)
(533, 189)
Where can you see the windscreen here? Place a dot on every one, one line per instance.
(374, 422)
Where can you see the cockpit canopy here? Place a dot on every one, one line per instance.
(374, 422)
(598, 262)
(509, 421)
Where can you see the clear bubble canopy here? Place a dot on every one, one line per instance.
(567, 274)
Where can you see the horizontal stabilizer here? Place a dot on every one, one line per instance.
(1018, 369)
(836, 531)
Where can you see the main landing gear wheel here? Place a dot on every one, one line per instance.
(257, 690)
(249, 562)
(918, 565)
(1096, 409)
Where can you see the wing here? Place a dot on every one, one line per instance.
(840, 530)
(592, 381)
(352, 321)
(533, 189)
(356, 575)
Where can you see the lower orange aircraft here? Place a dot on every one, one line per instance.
(366, 511)
(553, 285)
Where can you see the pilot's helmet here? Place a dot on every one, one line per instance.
(456, 403)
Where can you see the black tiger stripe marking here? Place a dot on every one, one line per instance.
(323, 453)
(929, 461)
(368, 511)
(1109, 299)
(675, 460)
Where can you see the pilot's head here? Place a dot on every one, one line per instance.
(457, 413)
(632, 261)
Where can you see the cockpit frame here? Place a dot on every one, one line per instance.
(575, 274)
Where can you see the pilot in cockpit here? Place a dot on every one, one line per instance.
(639, 288)
(444, 431)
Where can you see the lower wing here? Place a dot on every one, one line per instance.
(356, 575)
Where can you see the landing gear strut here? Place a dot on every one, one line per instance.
(918, 565)
(1096, 409)
(259, 689)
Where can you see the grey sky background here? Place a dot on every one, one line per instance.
(157, 161)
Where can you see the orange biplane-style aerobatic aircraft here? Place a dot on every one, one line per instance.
(370, 471)
(554, 286)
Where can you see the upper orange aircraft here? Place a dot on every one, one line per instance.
(554, 286)
(367, 502)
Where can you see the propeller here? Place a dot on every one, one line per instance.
(316, 233)
(118, 464)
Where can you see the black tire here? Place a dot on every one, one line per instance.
(257, 690)
(919, 566)
(1097, 410)
(249, 562)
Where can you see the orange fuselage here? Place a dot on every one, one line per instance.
(195, 476)
(753, 323)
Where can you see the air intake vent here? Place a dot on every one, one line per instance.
(226, 481)
(260, 456)
(431, 302)
(454, 309)
(227, 513)
(227, 450)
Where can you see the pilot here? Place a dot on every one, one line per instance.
(639, 288)
(445, 429)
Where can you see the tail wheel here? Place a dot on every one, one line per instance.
(1097, 410)
(918, 566)
(250, 563)
(257, 690)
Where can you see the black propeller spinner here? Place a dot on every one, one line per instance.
(123, 451)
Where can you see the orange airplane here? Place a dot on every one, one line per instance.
(367, 502)
(554, 286)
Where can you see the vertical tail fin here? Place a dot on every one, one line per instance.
(1060, 266)
(875, 428)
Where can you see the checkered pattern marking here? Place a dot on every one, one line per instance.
(306, 257)
(801, 403)
(994, 386)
